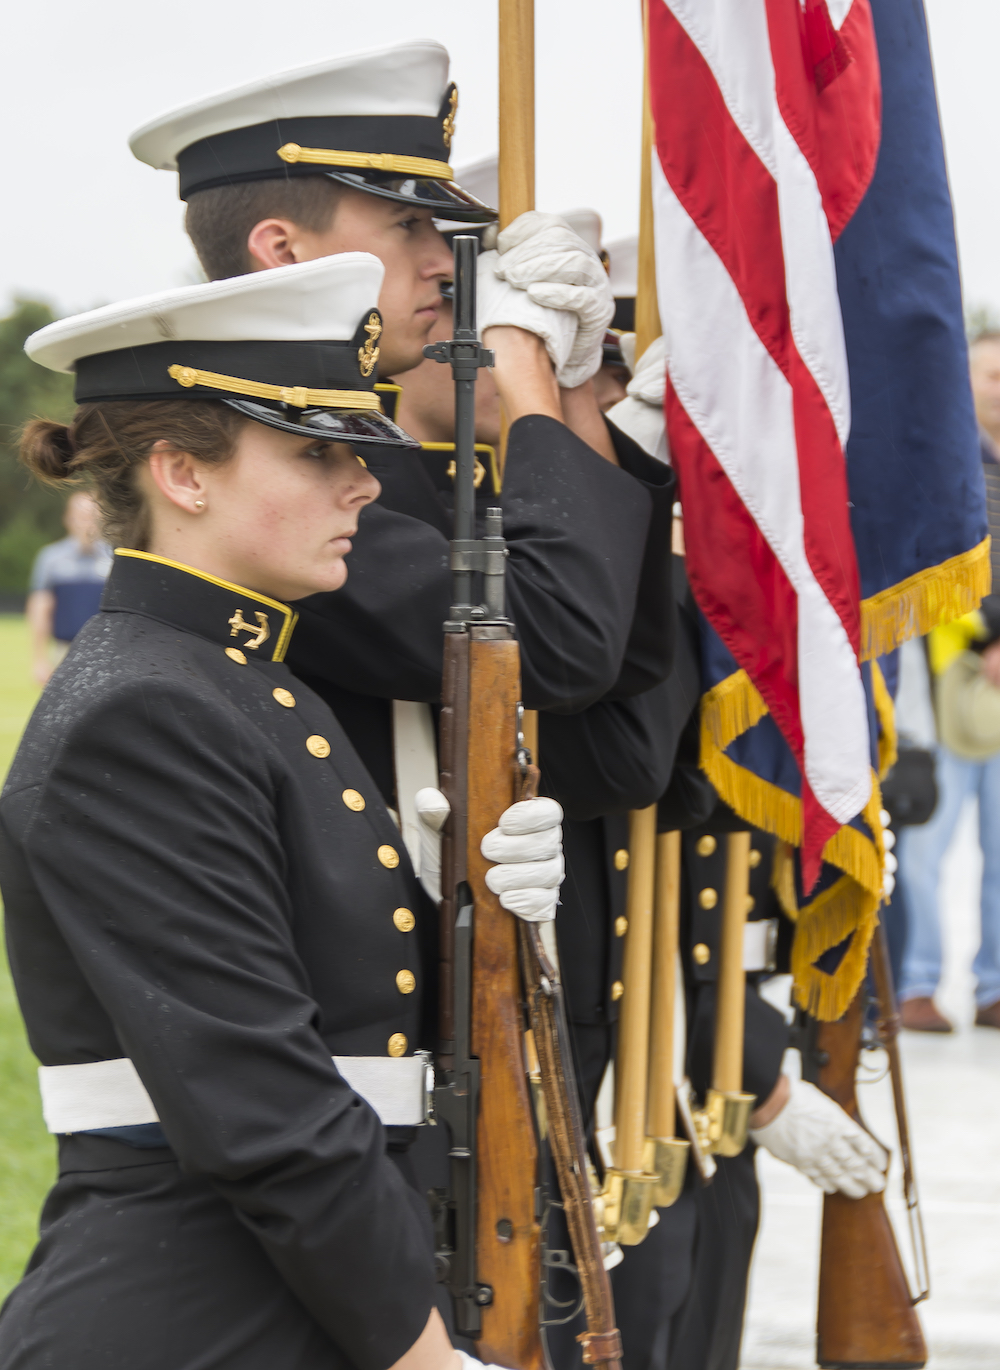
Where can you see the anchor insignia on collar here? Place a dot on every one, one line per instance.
(260, 634)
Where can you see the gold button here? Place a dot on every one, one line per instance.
(234, 654)
(404, 920)
(701, 953)
(397, 1044)
(751, 901)
(708, 898)
(621, 859)
(317, 745)
(284, 697)
(706, 845)
(389, 857)
(617, 990)
(621, 927)
(353, 800)
(755, 858)
(406, 981)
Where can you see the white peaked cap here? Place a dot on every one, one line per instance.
(321, 300)
(482, 179)
(624, 267)
(407, 79)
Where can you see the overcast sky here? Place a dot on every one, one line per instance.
(84, 223)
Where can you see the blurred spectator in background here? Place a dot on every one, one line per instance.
(67, 581)
(965, 665)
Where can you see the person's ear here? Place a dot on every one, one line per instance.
(273, 242)
(178, 476)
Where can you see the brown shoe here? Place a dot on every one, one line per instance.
(920, 1015)
(989, 1016)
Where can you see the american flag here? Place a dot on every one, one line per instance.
(767, 118)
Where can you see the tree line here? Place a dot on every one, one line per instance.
(30, 514)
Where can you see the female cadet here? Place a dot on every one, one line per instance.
(214, 928)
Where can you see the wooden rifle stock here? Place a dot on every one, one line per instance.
(865, 1316)
(490, 1232)
(508, 1234)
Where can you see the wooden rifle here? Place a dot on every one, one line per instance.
(866, 1312)
(489, 1250)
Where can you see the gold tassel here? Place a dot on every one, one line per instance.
(932, 596)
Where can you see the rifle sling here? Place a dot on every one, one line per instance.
(602, 1341)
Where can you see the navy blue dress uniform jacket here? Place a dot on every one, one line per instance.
(199, 874)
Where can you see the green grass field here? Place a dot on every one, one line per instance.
(27, 1152)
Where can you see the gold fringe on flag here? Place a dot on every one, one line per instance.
(843, 909)
(933, 596)
(849, 907)
(851, 904)
(731, 708)
(756, 800)
(885, 709)
(783, 879)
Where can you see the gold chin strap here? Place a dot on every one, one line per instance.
(298, 395)
(370, 161)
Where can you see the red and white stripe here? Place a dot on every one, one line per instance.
(767, 118)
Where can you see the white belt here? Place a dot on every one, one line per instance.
(110, 1093)
(760, 944)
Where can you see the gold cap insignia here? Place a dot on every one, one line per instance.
(258, 635)
(368, 355)
(448, 123)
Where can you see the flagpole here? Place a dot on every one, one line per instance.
(517, 170)
(647, 310)
(517, 109)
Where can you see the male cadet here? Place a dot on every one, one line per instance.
(351, 154)
(680, 1295)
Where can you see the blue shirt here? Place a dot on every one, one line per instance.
(76, 579)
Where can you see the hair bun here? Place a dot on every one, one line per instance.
(48, 450)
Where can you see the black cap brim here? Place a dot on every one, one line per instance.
(358, 428)
(444, 199)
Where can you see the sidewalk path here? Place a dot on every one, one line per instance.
(953, 1087)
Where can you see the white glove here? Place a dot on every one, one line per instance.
(816, 1136)
(640, 414)
(528, 845)
(498, 303)
(541, 255)
(432, 809)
